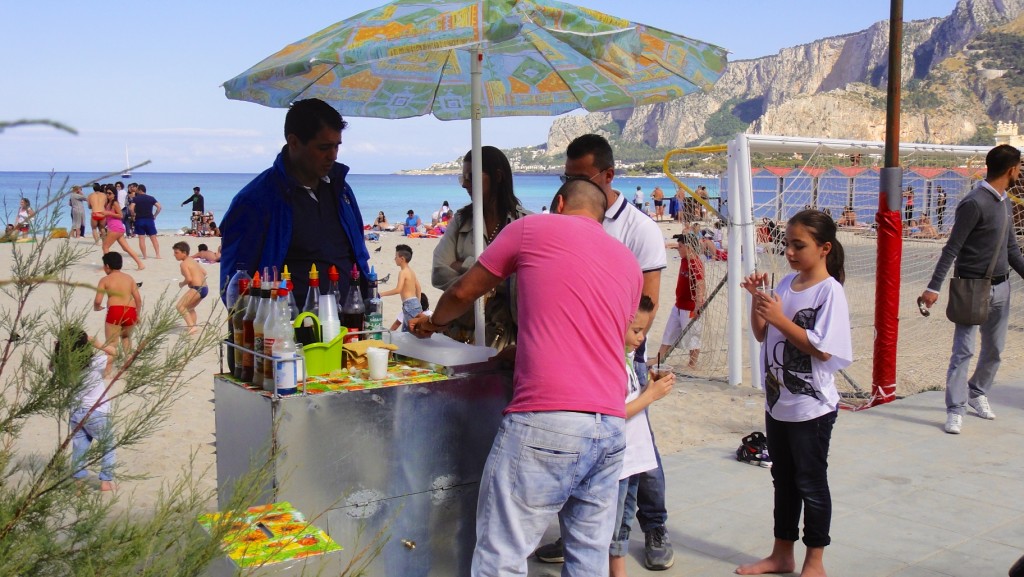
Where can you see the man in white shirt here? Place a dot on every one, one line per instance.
(638, 198)
(590, 157)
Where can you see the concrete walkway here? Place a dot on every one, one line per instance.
(909, 500)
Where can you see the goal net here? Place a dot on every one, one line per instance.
(771, 178)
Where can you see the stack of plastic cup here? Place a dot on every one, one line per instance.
(330, 324)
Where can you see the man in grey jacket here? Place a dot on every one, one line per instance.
(980, 217)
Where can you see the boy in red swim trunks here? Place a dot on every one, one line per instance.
(195, 279)
(123, 301)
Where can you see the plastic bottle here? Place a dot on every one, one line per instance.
(232, 294)
(374, 305)
(248, 335)
(237, 321)
(353, 313)
(293, 307)
(313, 294)
(270, 330)
(258, 325)
(289, 363)
(334, 288)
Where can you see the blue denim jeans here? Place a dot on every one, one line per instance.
(799, 453)
(993, 339)
(624, 515)
(93, 429)
(542, 463)
(648, 497)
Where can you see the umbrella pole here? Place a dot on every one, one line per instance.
(476, 166)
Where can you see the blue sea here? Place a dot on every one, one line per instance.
(394, 194)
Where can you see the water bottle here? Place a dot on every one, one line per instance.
(374, 305)
(289, 363)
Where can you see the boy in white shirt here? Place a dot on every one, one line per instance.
(639, 456)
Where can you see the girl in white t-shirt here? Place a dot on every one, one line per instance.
(639, 456)
(804, 324)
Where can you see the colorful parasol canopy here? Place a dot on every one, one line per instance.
(541, 57)
(463, 59)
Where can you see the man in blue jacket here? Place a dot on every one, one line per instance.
(300, 211)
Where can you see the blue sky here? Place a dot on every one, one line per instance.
(148, 74)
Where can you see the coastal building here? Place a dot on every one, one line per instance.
(1006, 133)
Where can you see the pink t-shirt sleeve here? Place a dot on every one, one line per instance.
(500, 258)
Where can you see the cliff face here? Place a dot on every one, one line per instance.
(829, 88)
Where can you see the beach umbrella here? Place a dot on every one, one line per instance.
(462, 59)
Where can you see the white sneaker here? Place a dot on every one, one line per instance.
(953, 423)
(980, 404)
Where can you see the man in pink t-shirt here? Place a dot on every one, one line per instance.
(560, 444)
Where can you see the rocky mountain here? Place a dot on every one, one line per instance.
(835, 88)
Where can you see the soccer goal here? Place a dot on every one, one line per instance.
(771, 178)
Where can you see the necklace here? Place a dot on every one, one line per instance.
(494, 233)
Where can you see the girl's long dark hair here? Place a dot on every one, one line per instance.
(823, 229)
(497, 168)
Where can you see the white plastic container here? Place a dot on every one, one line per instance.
(377, 359)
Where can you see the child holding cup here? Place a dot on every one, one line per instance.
(639, 456)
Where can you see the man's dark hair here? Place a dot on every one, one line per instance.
(305, 118)
(594, 144)
(646, 304)
(1001, 159)
(97, 187)
(195, 189)
(113, 260)
(582, 194)
(182, 246)
(404, 251)
(140, 188)
(203, 247)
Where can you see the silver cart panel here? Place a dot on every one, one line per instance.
(406, 459)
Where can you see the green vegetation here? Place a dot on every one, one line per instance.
(985, 136)
(1002, 51)
(917, 96)
(724, 123)
(51, 523)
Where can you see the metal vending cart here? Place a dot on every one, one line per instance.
(404, 458)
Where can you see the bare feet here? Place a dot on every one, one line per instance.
(767, 565)
(780, 561)
(107, 486)
(193, 330)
